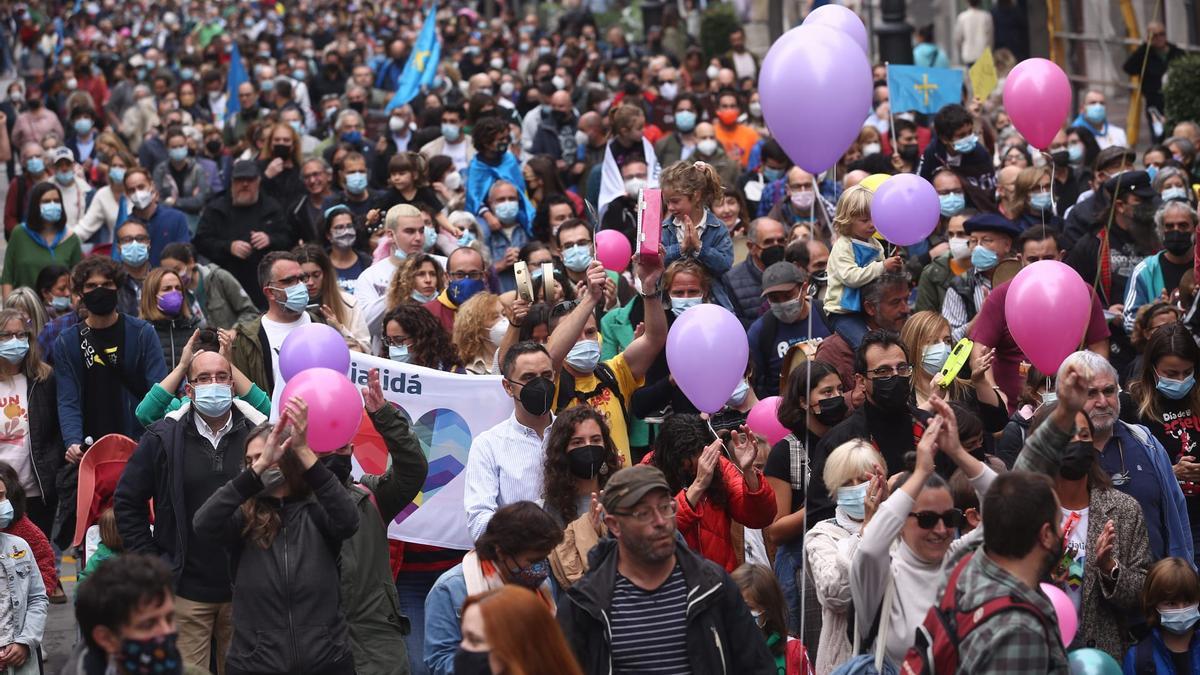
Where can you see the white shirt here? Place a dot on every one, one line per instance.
(370, 293)
(14, 431)
(276, 332)
(206, 432)
(743, 65)
(1076, 546)
(1113, 135)
(504, 466)
(457, 152)
(102, 213)
(972, 33)
(74, 198)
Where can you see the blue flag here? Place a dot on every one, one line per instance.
(237, 75)
(924, 90)
(422, 63)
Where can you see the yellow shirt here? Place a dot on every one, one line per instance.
(606, 403)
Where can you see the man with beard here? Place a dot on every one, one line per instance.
(644, 570)
(1137, 463)
(885, 306)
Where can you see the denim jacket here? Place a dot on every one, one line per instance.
(715, 254)
(26, 595)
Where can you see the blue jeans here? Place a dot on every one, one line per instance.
(852, 327)
(789, 560)
(412, 587)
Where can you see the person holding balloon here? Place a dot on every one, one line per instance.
(1171, 605)
(690, 230)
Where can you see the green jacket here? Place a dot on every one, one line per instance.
(616, 331)
(935, 280)
(368, 589)
(247, 352)
(158, 402)
(221, 297)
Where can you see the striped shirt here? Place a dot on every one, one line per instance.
(649, 628)
(957, 313)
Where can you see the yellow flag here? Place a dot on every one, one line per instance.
(983, 75)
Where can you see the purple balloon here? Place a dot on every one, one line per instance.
(707, 352)
(313, 346)
(815, 86)
(840, 18)
(905, 209)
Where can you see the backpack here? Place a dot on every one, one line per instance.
(608, 380)
(945, 627)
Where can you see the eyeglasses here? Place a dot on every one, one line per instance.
(140, 239)
(460, 275)
(884, 372)
(5, 337)
(207, 378)
(927, 520)
(644, 515)
(395, 340)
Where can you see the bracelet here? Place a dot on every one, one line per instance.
(1115, 571)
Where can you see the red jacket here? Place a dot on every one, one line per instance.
(706, 528)
(43, 553)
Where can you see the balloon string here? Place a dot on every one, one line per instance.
(708, 421)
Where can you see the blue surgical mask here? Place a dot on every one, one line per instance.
(584, 356)
(51, 211)
(1041, 201)
(83, 125)
(135, 253)
(430, 238)
(398, 353)
(116, 174)
(934, 357)
(1175, 194)
(467, 238)
(422, 298)
(507, 211)
(738, 396)
(685, 120)
(178, 154)
(951, 204)
(1152, 171)
(771, 175)
(356, 182)
(965, 145)
(186, 73)
(296, 127)
(60, 303)
(984, 259)
(35, 165)
(6, 513)
(297, 298)
(681, 305)
(577, 258)
(14, 350)
(1075, 153)
(1179, 621)
(1175, 389)
(1095, 113)
(64, 178)
(853, 500)
(451, 132)
(212, 400)
(353, 137)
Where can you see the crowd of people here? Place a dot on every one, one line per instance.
(192, 182)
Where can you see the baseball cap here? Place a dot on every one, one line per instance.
(60, 153)
(245, 168)
(780, 276)
(627, 486)
(1130, 182)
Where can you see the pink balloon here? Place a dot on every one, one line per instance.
(334, 407)
(1037, 97)
(613, 250)
(905, 208)
(313, 346)
(707, 352)
(764, 420)
(815, 85)
(1048, 307)
(843, 19)
(1068, 622)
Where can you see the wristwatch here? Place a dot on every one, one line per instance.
(657, 290)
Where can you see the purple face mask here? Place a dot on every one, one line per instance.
(171, 302)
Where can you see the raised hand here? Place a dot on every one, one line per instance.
(706, 464)
(928, 446)
(1072, 389)
(877, 492)
(745, 450)
(372, 394)
(1106, 548)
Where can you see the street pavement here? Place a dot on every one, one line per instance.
(61, 632)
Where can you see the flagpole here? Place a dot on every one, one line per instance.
(891, 121)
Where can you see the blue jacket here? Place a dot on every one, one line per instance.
(715, 256)
(1144, 286)
(480, 178)
(1160, 657)
(1174, 508)
(142, 363)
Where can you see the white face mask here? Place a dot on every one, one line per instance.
(141, 199)
(707, 146)
(452, 180)
(497, 331)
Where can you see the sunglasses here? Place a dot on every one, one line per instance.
(926, 520)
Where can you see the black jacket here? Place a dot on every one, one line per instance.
(287, 615)
(221, 224)
(721, 635)
(173, 334)
(45, 437)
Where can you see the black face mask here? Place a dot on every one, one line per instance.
(213, 147)
(338, 464)
(35, 103)
(833, 410)
(535, 396)
(281, 151)
(909, 153)
(890, 394)
(771, 255)
(100, 301)
(1060, 158)
(587, 461)
(472, 663)
(358, 106)
(1077, 460)
(1176, 242)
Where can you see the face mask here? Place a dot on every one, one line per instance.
(558, 82)
(83, 125)
(353, 137)
(872, 149)
(804, 199)
(422, 299)
(507, 211)
(960, 248)
(965, 145)
(17, 98)
(430, 238)
(890, 394)
(14, 351)
(60, 303)
(100, 301)
(1095, 113)
(728, 117)
(1175, 389)
(35, 165)
(498, 330)
(1179, 621)
(1041, 201)
(356, 182)
(1076, 460)
(771, 255)
(1075, 153)
(177, 154)
(771, 175)
(584, 356)
(135, 254)
(212, 400)
(668, 90)
(466, 238)
(738, 396)
(1176, 242)
(756, 111)
(472, 663)
(1152, 171)
(116, 175)
(951, 204)
(712, 72)
(296, 298)
(171, 302)
(51, 211)
(281, 151)
(707, 146)
(452, 181)
(681, 305)
(450, 132)
(398, 353)
(853, 500)
(531, 577)
(833, 410)
(72, 83)
(214, 147)
(934, 357)
(984, 259)
(577, 258)
(634, 187)
(344, 238)
(461, 290)
(65, 178)
(397, 125)
(535, 396)
(272, 478)
(685, 120)
(150, 656)
(787, 312)
(587, 462)
(1175, 194)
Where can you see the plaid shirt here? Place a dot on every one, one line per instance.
(50, 333)
(1014, 641)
